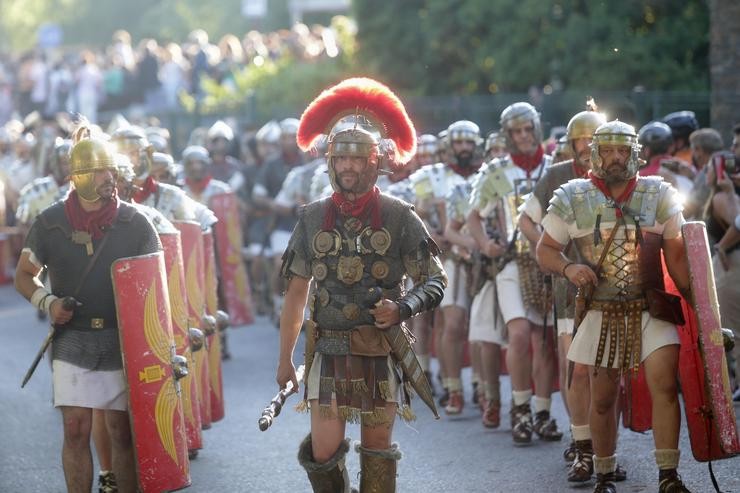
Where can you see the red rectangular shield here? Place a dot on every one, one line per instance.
(637, 405)
(148, 348)
(228, 239)
(214, 340)
(192, 253)
(705, 383)
(173, 261)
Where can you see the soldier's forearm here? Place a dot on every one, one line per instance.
(476, 229)
(551, 258)
(423, 296)
(26, 284)
(291, 317)
(528, 228)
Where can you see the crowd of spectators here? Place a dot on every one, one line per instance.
(150, 73)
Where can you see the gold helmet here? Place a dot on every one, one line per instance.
(619, 134)
(87, 157)
(584, 124)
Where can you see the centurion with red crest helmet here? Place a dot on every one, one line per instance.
(357, 246)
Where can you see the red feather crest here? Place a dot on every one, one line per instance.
(362, 96)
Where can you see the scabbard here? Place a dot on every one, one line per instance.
(39, 355)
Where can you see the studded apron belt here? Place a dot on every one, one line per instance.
(627, 335)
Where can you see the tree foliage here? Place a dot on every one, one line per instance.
(485, 46)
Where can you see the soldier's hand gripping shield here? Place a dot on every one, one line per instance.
(153, 371)
(705, 382)
(228, 237)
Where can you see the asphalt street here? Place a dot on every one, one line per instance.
(449, 455)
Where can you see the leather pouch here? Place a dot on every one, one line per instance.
(368, 340)
(665, 306)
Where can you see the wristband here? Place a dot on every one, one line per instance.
(565, 267)
(42, 299)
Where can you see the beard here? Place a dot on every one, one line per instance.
(464, 159)
(615, 172)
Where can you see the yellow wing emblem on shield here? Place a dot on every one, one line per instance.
(177, 302)
(166, 404)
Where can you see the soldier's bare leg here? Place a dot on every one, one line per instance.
(322, 453)
(327, 433)
(564, 341)
(543, 368)
(518, 358)
(101, 439)
(453, 339)
(543, 364)
(76, 454)
(122, 443)
(661, 372)
(602, 417)
(490, 372)
(578, 398)
(475, 357)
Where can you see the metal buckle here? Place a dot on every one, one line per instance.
(97, 323)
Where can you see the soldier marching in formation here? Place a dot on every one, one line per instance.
(486, 253)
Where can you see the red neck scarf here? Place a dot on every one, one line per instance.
(95, 222)
(148, 188)
(365, 205)
(529, 163)
(653, 166)
(579, 171)
(463, 171)
(198, 186)
(622, 199)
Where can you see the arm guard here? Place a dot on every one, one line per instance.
(422, 297)
(428, 292)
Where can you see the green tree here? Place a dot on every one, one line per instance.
(486, 46)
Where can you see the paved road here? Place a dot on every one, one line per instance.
(450, 455)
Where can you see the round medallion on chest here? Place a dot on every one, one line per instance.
(319, 270)
(325, 242)
(380, 241)
(379, 269)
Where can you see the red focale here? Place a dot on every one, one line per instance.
(528, 163)
(148, 188)
(622, 199)
(94, 222)
(360, 208)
